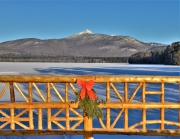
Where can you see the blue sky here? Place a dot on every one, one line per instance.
(145, 20)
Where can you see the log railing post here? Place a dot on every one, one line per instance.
(126, 110)
(67, 108)
(31, 124)
(144, 109)
(40, 126)
(108, 111)
(12, 99)
(11, 87)
(87, 127)
(162, 109)
(48, 109)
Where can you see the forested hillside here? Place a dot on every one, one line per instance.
(168, 56)
(28, 57)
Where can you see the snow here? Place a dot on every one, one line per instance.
(87, 31)
(98, 69)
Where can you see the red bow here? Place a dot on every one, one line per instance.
(86, 88)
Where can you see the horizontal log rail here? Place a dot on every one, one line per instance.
(44, 105)
(37, 105)
(95, 78)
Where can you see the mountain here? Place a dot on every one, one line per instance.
(80, 44)
(156, 46)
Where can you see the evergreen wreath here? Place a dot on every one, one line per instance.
(88, 101)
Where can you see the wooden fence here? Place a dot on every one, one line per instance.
(44, 105)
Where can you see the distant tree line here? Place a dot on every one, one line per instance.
(168, 56)
(28, 57)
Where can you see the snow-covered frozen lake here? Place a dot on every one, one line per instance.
(88, 69)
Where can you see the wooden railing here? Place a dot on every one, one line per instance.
(44, 105)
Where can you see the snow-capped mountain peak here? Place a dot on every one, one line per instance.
(87, 31)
